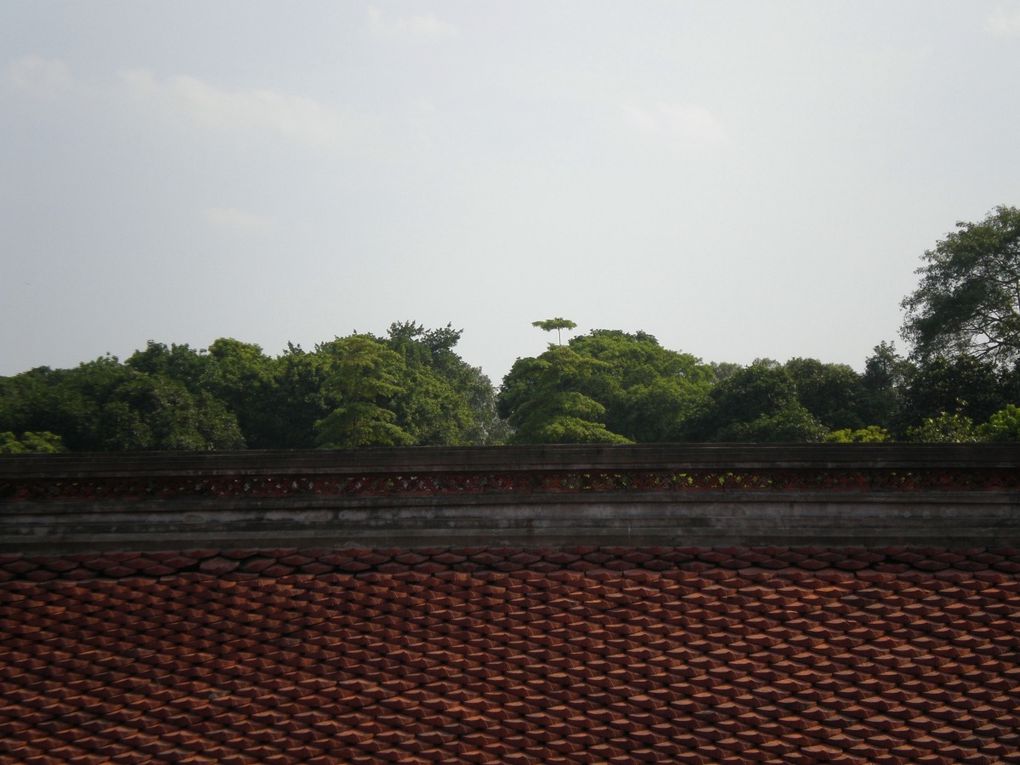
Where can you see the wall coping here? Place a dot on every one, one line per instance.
(729, 456)
(544, 496)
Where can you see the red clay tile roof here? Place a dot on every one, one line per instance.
(582, 655)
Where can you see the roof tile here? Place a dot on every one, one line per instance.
(645, 656)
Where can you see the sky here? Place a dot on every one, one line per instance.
(739, 179)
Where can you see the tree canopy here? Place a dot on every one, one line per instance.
(609, 386)
(557, 324)
(968, 301)
(408, 388)
(959, 383)
(757, 403)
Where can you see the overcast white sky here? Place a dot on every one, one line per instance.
(740, 179)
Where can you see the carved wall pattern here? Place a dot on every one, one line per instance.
(511, 482)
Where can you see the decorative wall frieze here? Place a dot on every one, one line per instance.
(409, 483)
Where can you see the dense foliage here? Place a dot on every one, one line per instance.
(605, 387)
(407, 388)
(960, 383)
(968, 301)
(411, 387)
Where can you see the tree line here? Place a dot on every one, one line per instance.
(959, 382)
(409, 387)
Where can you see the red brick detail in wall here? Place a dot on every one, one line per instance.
(521, 482)
(583, 655)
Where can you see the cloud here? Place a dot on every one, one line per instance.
(296, 118)
(1004, 22)
(238, 221)
(687, 127)
(426, 28)
(38, 76)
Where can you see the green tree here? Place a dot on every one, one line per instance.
(24, 397)
(883, 384)
(962, 385)
(873, 434)
(552, 399)
(296, 399)
(244, 378)
(605, 386)
(567, 417)
(791, 423)
(558, 324)
(362, 378)
(832, 393)
(968, 301)
(103, 404)
(154, 412)
(30, 443)
(67, 402)
(723, 369)
(944, 429)
(181, 363)
(758, 403)
(431, 410)
(650, 393)
(444, 399)
(359, 390)
(1004, 425)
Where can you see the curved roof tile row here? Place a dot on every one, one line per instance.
(234, 564)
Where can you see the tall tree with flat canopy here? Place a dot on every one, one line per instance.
(558, 324)
(968, 302)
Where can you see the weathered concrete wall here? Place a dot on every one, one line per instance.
(535, 496)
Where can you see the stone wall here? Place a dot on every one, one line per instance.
(549, 496)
